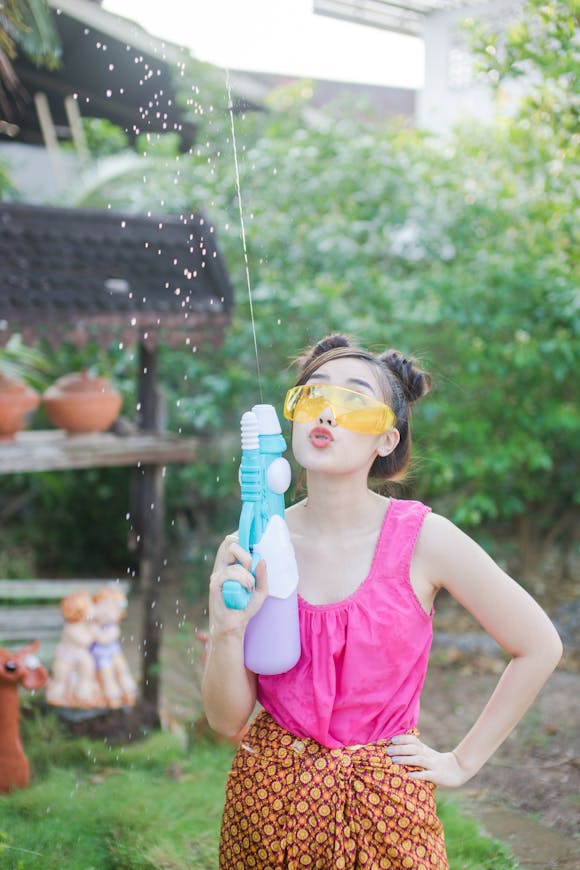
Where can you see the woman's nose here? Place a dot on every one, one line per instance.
(326, 417)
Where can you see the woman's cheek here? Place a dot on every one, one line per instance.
(299, 442)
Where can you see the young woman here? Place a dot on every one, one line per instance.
(332, 772)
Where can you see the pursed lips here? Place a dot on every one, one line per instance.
(320, 436)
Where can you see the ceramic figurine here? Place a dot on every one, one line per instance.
(117, 684)
(18, 667)
(74, 676)
(90, 671)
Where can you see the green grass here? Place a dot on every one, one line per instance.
(467, 848)
(155, 804)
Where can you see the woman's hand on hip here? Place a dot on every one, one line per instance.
(441, 768)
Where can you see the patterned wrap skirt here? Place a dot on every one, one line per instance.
(293, 803)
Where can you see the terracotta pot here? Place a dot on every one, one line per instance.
(81, 402)
(17, 400)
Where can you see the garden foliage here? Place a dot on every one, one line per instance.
(461, 251)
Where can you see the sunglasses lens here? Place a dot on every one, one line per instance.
(308, 409)
(305, 403)
(367, 420)
(295, 401)
(353, 411)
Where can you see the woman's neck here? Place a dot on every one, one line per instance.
(340, 504)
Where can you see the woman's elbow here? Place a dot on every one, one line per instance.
(549, 649)
(223, 726)
(555, 649)
(230, 731)
(544, 649)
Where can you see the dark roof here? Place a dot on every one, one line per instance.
(118, 71)
(363, 100)
(130, 86)
(77, 274)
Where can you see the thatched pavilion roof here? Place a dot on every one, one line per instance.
(81, 274)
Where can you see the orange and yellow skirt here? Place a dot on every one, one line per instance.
(293, 803)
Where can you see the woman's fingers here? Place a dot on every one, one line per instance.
(405, 744)
(440, 768)
(230, 552)
(408, 749)
(234, 563)
(261, 579)
(235, 571)
(260, 591)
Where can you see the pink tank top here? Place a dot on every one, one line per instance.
(364, 659)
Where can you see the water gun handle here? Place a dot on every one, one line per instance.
(236, 596)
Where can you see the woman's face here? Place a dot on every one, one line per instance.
(325, 445)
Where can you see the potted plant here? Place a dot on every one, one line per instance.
(18, 399)
(82, 402)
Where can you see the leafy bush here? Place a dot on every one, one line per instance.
(461, 251)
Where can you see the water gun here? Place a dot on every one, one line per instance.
(272, 638)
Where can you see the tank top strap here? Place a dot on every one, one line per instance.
(399, 535)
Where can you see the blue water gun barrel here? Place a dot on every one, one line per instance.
(236, 596)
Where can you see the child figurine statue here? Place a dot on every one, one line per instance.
(113, 674)
(74, 675)
(90, 671)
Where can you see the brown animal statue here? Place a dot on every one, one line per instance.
(17, 667)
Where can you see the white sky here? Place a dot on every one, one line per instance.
(280, 36)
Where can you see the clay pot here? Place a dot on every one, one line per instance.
(17, 399)
(81, 402)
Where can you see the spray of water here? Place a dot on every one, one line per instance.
(243, 229)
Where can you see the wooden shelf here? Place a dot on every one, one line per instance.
(55, 450)
(54, 589)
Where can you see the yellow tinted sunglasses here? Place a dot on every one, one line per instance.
(354, 411)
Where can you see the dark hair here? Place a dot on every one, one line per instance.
(403, 383)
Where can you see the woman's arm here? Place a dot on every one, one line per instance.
(450, 559)
(229, 688)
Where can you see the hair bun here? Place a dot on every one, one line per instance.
(414, 381)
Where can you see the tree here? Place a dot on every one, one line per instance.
(25, 25)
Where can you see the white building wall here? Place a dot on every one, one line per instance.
(39, 177)
(452, 92)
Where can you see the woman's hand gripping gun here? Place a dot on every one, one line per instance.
(272, 639)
